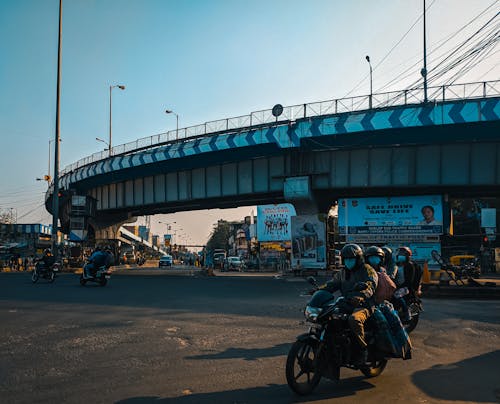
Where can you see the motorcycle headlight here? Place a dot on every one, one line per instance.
(312, 313)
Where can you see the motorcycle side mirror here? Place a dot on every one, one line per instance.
(312, 280)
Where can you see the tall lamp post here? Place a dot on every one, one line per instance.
(55, 194)
(169, 111)
(169, 227)
(371, 81)
(110, 112)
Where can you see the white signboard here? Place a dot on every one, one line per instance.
(274, 222)
(391, 215)
(309, 241)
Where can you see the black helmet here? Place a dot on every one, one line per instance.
(351, 251)
(374, 250)
(47, 251)
(98, 248)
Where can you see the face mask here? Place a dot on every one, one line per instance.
(401, 259)
(374, 260)
(350, 263)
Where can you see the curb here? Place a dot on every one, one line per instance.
(461, 292)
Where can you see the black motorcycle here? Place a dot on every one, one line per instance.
(48, 272)
(328, 346)
(414, 305)
(100, 276)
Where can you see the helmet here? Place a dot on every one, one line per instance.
(387, 251)
(47, 251)
(351, 251)
(98, 248)
(404, 251)
(374, 250)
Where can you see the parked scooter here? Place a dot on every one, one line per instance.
(100, 276)
(46, 272)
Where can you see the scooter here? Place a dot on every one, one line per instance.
(101, 275)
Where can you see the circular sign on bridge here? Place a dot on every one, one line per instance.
(277, 110)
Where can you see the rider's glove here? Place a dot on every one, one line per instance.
(356, 301)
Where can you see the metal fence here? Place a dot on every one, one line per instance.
(442, 93)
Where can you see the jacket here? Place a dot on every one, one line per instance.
(362, 273)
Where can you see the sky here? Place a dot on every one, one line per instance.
(203, 59)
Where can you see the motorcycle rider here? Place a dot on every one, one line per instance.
(388, 262)
(110, 259)
(96, 260)
(358, 289)
(408, 275)
(48, 259)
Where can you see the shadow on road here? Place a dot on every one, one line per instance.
(246, 354)
(272, 394)
(475, 379)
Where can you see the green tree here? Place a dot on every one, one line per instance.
(219, 237)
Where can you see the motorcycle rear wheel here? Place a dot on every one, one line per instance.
(35, 276)
(103, 282)
(375, 370)
(301, 362)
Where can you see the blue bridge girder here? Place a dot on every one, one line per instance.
(419, 148)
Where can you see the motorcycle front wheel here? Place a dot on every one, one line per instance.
(103, 282)
(52, 276)
(376, 369)
(412, 324)
(35, 276)
(82, 280)
(302, 372)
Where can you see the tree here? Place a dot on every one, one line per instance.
(219, 237)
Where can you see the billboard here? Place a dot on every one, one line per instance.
(391, 215)
(309, 241)
(274, 222)
(167, 238)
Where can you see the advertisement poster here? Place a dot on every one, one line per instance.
(421, 252)
(274, 222)
(309, 241)
(391, 215)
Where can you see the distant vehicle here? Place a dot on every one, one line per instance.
(219, 256)
(234, 264)
(129, 257)
(165, 261)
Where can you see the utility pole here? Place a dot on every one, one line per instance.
(55, 194)
(424, 70)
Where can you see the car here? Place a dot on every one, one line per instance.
(234, 264)
(165, 261)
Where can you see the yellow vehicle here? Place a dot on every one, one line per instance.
(462, 259)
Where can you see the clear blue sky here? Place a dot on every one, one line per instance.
(206, 60)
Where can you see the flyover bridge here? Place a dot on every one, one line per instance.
(310, 155)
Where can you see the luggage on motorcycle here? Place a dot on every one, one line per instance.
(401, 338)
(384, 340)
(385, 288)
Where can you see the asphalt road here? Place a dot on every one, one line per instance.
(188, 339)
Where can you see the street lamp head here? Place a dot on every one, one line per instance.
(121, 87)
(168, 111)
(368, 58)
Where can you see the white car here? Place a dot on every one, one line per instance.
(234, 264)
(165, 261)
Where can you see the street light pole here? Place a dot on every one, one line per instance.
(121, 87)
(55, 194)
(423, 72)
(169, 111)
(103, 141)
(371, 81)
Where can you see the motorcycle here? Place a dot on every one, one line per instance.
(42, 271)
(328, 346)
(414, 305)
(101, 276)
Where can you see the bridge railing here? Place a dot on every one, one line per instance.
(442, 93)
